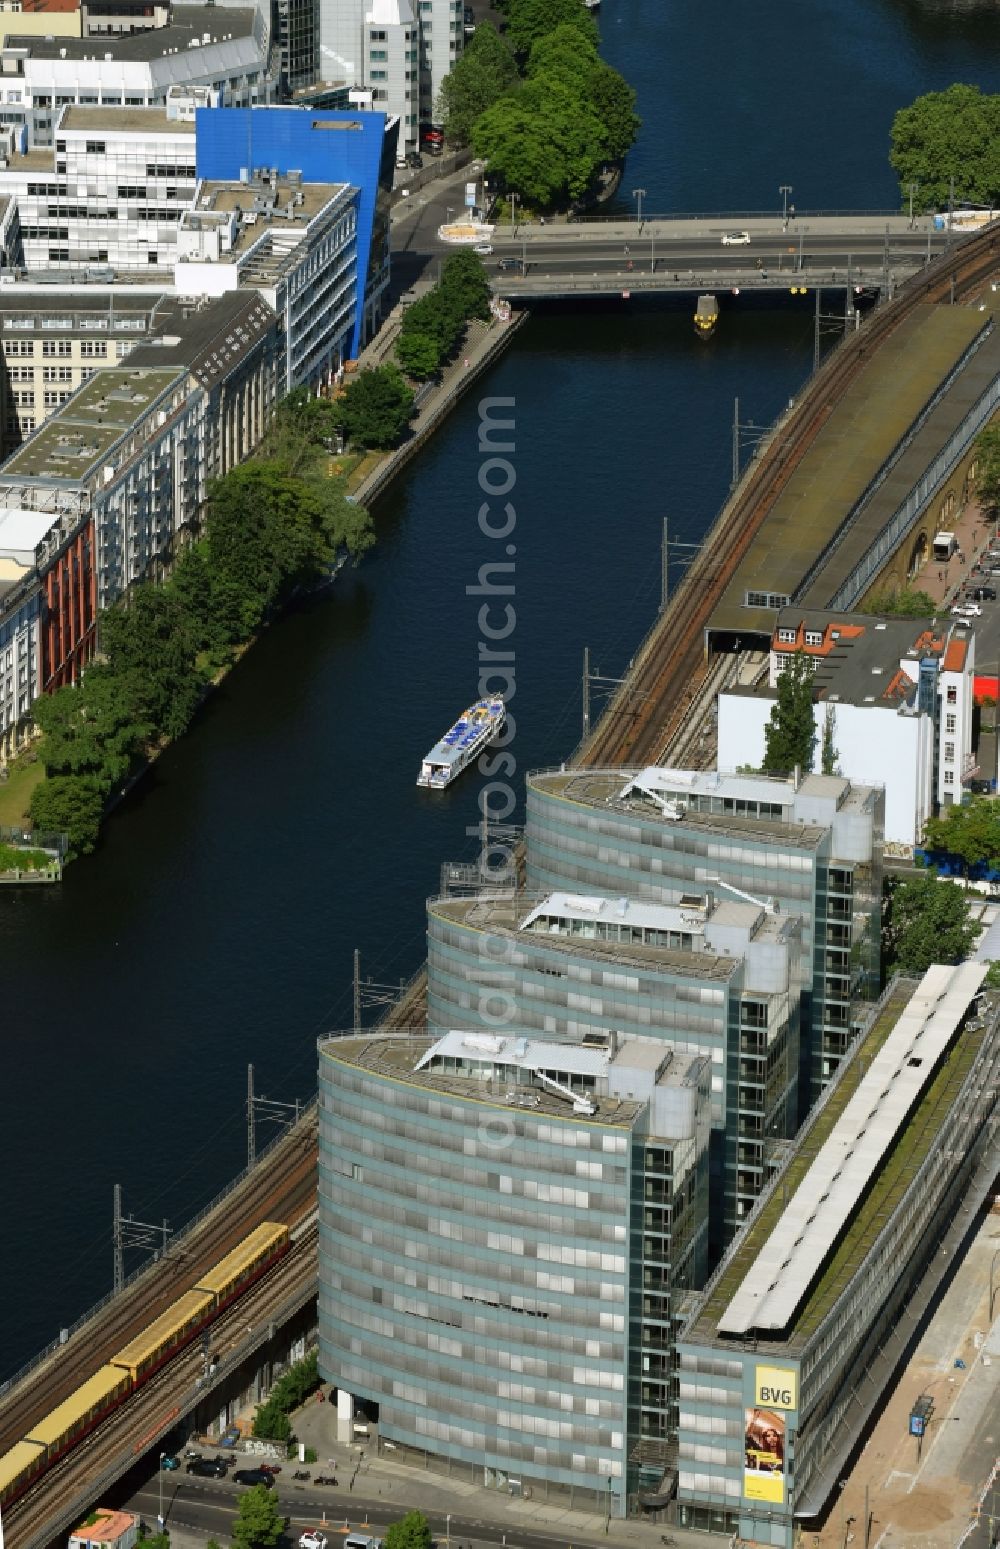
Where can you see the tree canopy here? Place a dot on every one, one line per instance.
(485, 72)
(259, 1522)
(375, 408)
(433, 327)
(904, 603)
(926, 921)
(970, 831)
(790, 734)
(411, 1532)
(529, 20)
(988, 460)
(546, 142)
(944, 135)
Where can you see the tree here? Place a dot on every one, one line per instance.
(375, 408)
(271, 1423)
(71, 805)
(988, 460)
(465, 284)
(485, 72)
(529, 20)
(613, 100)
(945, 135)
(151, 650)
(419, 354)
(411, 1532)
(568, 54)
(905, 603)
(992, 980)
(971, 831)
(260, 1523)
(926, 921)
(828, 751)
(94, 728)
(790, 735)
(546, 142)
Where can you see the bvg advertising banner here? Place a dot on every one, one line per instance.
(764, 1445)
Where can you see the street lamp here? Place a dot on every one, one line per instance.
(159, 1518)
(513, 206)
(993, 1289)
(639, 194)
(913, 189)
(784, 191)
(447, 1529)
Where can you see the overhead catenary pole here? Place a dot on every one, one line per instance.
(357, 990)
(586, 691)
(119, 1247)
(816, 331)
(251, 1120)
(736, 440)
(665, 564)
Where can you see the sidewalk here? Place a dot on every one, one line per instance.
(973, 533)
(928, 1505)
(406, 1487)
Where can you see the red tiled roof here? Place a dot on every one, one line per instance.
(954, 656)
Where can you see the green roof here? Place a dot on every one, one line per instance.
(887, 1188)
(75, 439)
(852, 446)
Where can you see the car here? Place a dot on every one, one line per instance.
(484, 249)
(207, 1468)
(735, 238)
(169, 1462)
(966, 610)
(989, 593)
(251, 1476)
(231, 1437)
(510, 263)
(312, 1538)
(415, 160)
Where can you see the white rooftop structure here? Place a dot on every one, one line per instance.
(689, 915)
(832, 1188)
(528, 1054)
(21, 531)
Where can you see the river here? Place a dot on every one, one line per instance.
(215, 925)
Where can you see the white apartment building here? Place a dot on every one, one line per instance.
(109, 194)
(295, 243)
(218, 47)
(400, 50)
(20, 620)
(898, 696)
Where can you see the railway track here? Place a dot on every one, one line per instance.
(282, 1188)
(647, 711)
(136, 1426)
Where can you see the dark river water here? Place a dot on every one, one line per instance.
(215, 925)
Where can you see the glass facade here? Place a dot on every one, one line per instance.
(497, 1276)
(821, 860)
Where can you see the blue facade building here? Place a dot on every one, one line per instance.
(323, 146)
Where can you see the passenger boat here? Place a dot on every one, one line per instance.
(474, 728)
(706, 316)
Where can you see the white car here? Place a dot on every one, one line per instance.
(736, 239)
(484, 249)
(966, 610)
(312, 1539)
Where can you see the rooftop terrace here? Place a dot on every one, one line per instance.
(394, 1056)
(887, 1188)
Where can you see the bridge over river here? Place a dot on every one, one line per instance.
(723, 253)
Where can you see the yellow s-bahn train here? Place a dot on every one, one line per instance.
(59, 1430)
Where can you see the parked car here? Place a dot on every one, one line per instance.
(484, 249)
(966, 610)
(736, 239)
(251, 1476)
(207, 1468)
(312, 1538)
(170, 1463)
(510, 263)
(231, 1437)
(989, 592)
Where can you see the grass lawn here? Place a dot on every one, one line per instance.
(365, 465)
(15, 793)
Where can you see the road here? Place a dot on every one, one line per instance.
(207, 1506)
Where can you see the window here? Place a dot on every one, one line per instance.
(786, 636)
(18, 347)
(949, 722)
(949, 777)
(96, 147)
(57, 374)
(53, 398)
(378, 75)
(379, 53)
(92, 348)
(814, 637)
(952, 695)
(949, 752)
(61, 347)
